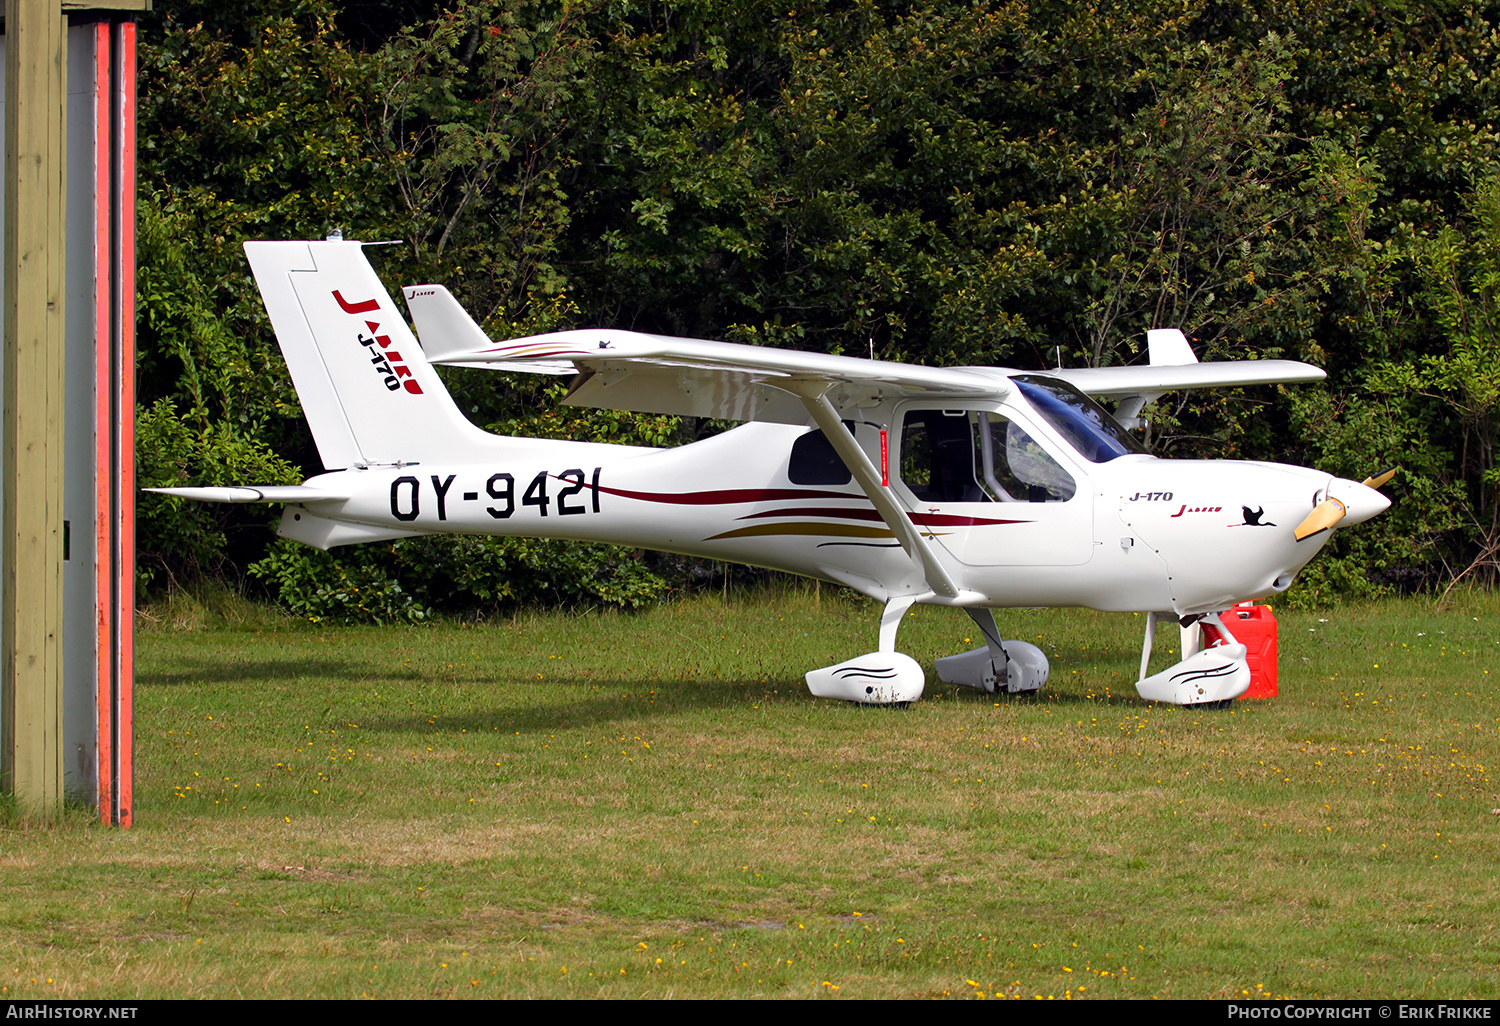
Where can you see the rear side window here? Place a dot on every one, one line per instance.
(814, 462)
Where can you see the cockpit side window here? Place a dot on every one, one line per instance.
(938, 456)
(1017, 469)
(972, 456)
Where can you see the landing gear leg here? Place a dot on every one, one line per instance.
(890, 621)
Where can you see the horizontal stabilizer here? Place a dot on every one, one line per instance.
(1169, 347)
(257, 493)
(447, 332)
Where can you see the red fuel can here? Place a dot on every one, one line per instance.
(1255, 627)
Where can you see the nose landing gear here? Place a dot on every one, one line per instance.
(1212, 677)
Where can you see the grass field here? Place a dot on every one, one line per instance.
(653, 806)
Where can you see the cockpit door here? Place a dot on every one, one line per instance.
(991, 488)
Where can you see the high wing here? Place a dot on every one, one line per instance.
(628, 370)
(1115, 382)
(1134, 388)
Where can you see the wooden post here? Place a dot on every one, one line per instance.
(31, 529)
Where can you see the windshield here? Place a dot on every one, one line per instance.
(1085, 424)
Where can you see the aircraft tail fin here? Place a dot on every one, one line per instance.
(448, 333)
(367, 389)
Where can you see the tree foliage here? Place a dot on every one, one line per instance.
(941, 182)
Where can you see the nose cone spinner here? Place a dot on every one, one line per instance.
(1347, 502)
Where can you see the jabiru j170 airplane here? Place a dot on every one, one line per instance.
(973, 487)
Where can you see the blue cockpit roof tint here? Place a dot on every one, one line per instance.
(1085, 424)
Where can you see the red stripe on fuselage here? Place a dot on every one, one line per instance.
(728, 495)
(921, 519)
(954, 520)
(851, 513)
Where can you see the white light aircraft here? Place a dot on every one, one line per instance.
(974, 487)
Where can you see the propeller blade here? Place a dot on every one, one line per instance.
(1380, 479)
(1324, 515)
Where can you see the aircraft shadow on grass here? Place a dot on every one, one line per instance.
(184, 672)
(563, 704)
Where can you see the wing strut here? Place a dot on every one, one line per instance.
(842, 440)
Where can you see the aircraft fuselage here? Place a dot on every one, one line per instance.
(1137, 533)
